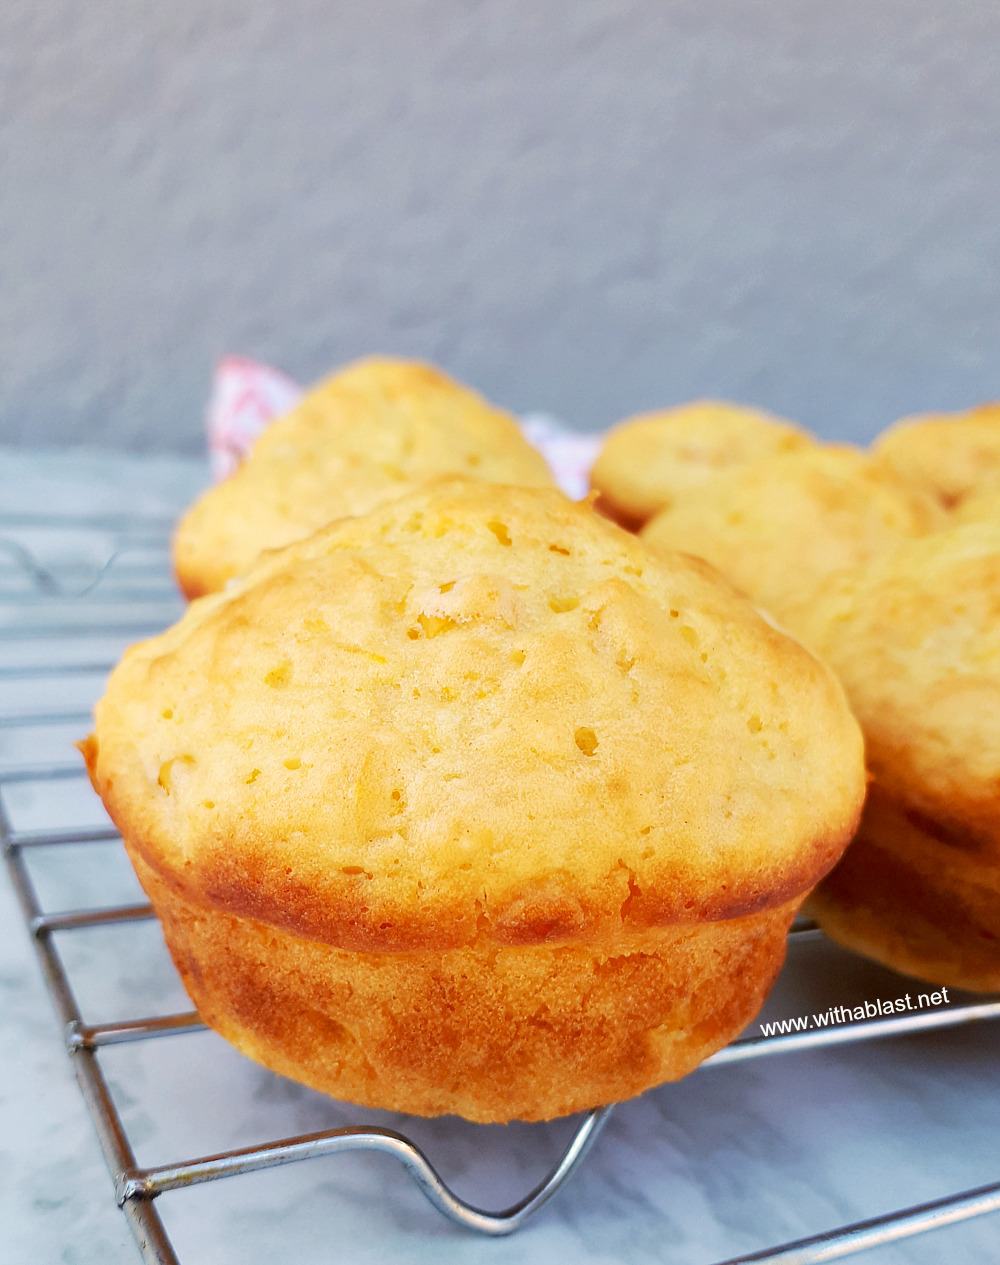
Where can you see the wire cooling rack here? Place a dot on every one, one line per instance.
(134, 571)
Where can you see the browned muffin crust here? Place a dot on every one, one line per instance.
(914, 894)
(485, 1031)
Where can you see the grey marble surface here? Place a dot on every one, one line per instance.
(731, 1160)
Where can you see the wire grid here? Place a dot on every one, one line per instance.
(123, 579)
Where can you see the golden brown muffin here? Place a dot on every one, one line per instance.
(367, 434)
(915, 637)
(647, 461)
(947, 454)
(778, 527)
(473, 805)
(915, 899)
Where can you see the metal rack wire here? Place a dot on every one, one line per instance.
(121, 579)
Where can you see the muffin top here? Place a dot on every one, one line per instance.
(915, 637)
(779, 526)
(648, 460)
(367, 434)
(948, 454)
(478, 711)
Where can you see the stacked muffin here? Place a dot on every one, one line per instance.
(887, 564)
(915, 638)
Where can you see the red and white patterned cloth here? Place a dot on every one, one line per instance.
(246, 395)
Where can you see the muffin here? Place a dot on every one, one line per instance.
(473, 805)
(367, 434)
(647, 461)
(915, 638)
(947, 454)
(778, 527)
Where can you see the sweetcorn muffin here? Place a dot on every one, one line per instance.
(915, 637)
(474, 805)
(947, 454)
(778, 527)
(648, 460)
(369, 433)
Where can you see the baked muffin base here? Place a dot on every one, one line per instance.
(489, 1032)
(917, 898)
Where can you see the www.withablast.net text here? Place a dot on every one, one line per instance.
(880, 1008)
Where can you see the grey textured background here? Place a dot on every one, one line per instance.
(587, 208)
